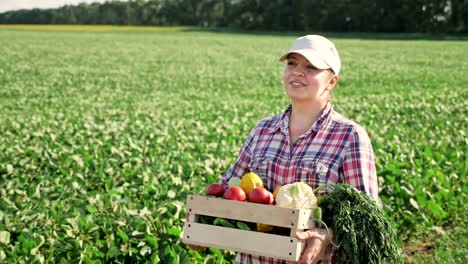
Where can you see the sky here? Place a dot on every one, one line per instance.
(7, 5)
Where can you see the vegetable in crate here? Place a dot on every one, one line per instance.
(296, 195)
(205, 219)
(362, 232)
(261, 195)
(223, 222)
(250, 181)
(215, 189)
(235, 193)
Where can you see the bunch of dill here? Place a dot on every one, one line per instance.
(362, 232)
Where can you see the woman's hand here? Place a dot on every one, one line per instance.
(317, 245)
(195, 247)
(191, 246)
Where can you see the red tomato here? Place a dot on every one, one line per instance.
(215, 189)
(235, 193)
(261, 195)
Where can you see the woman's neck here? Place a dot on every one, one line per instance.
(303, 116)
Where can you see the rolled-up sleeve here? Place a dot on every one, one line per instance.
(241, 166)
(359, 164)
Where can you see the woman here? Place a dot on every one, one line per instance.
(309, 141)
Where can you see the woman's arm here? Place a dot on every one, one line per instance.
(359, 171)
(358, 167)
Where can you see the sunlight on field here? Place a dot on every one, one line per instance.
(103, 135)
(94, 28)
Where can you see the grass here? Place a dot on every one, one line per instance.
(92, 28)
(104, 132)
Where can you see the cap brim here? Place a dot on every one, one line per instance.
(311, 56)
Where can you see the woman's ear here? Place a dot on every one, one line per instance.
(332, 82)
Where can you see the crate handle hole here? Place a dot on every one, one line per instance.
(189, 225)
(191, 198)
(290, 254)
(190, 210)
(294, 212)
(292, 224)
(188, 236)
(292, 241)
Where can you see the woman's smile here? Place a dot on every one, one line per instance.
(297, 84)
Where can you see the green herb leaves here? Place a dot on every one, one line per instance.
(362, 232)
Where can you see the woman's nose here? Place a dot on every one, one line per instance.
(298, 72)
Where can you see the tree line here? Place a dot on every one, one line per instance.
(421, 16)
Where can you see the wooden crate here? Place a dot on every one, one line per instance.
(251, 242)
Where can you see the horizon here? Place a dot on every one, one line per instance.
(14, 5)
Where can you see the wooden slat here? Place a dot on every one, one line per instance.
(255, 243)
(306, 219)
(250, 212)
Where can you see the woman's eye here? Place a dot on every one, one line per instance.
(312, 67)
(291, 63)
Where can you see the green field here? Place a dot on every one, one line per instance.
(104, 133)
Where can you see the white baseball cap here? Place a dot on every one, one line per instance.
(318, 50)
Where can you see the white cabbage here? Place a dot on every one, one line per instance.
(296, 195)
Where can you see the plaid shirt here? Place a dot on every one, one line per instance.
(334, 149)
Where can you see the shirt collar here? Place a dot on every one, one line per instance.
(283, 121)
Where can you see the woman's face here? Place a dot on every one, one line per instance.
(305, 83)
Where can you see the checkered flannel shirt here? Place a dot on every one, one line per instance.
(333, 150)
